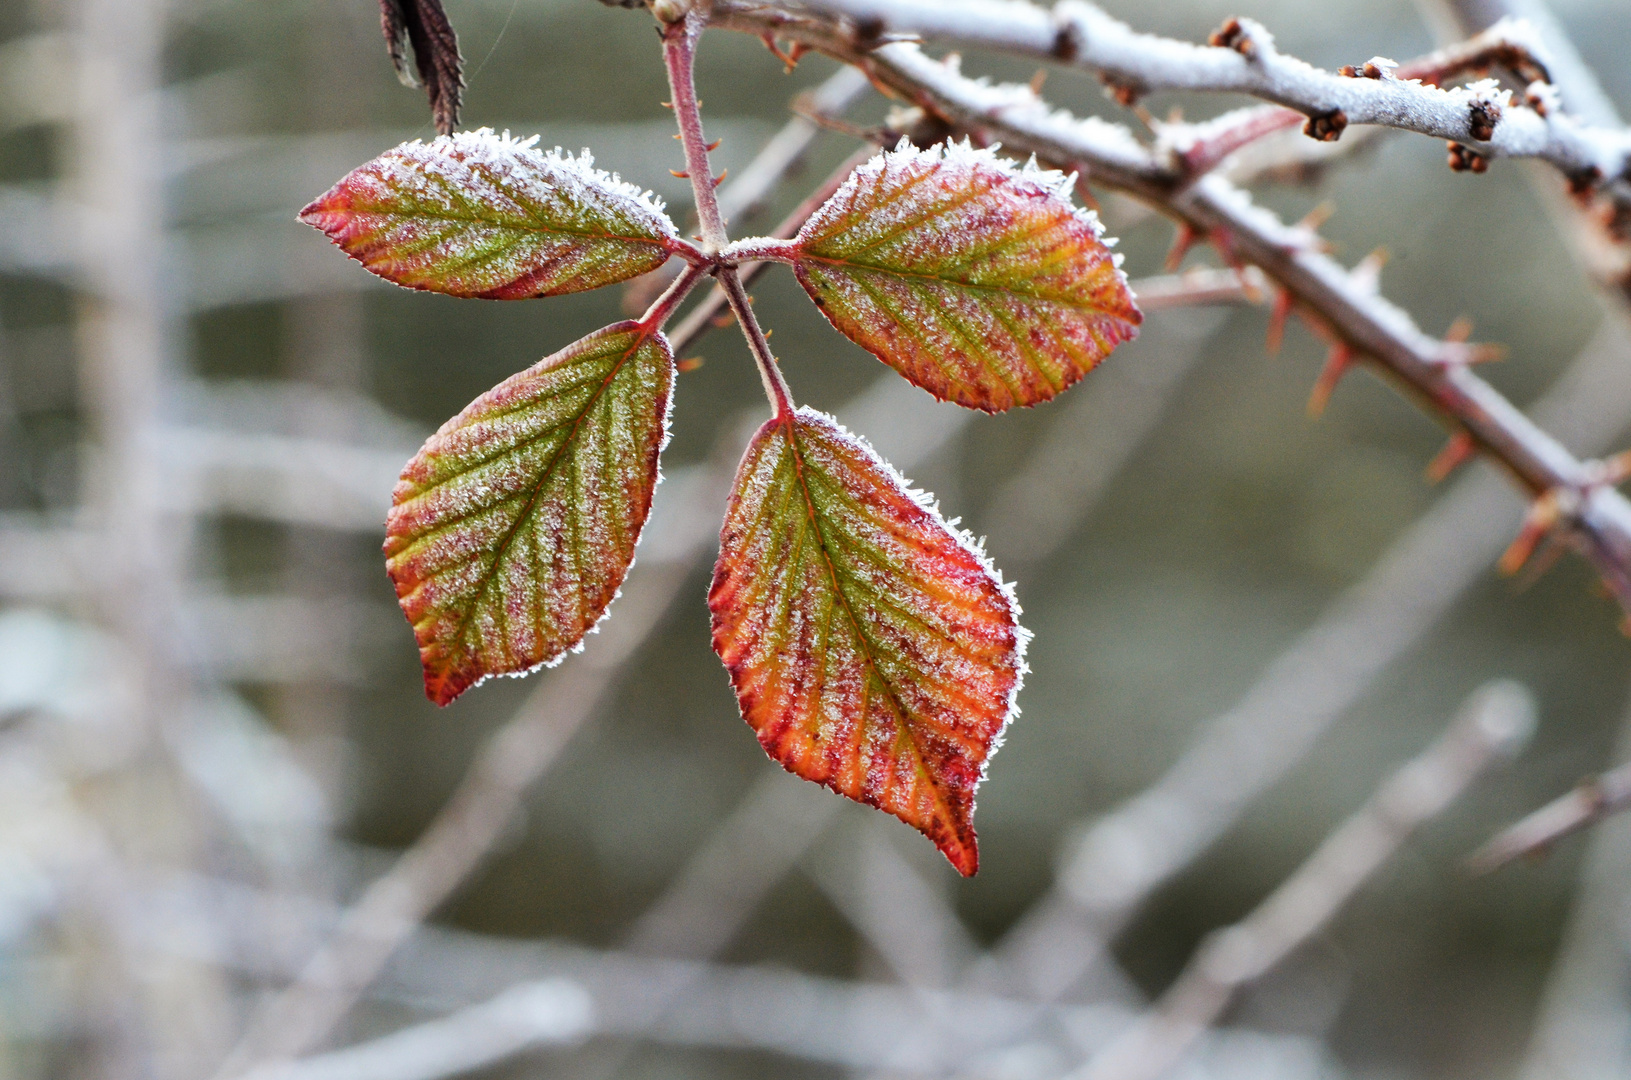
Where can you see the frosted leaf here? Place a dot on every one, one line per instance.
(484, 215)
(873, 648)
(513, 528)
(974, 278)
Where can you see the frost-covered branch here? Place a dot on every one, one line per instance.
(1495, 723)
(1346, 307)
(1242, 58)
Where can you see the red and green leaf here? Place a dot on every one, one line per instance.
(978, 281)
(511, 531)
(872, 648)
(484, 215)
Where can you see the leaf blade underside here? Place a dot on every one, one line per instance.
(480, 215)
(512, 529)
(873, 650)
(977, 281)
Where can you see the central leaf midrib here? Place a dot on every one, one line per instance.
(658, 241)
(868, 646)
(537, 490)
(972, 286)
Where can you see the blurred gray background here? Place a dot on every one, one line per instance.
(287, 386)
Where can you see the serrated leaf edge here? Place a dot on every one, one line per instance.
(640, 533)
(964, 539)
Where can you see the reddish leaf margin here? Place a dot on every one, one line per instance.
(512, 530)
(873, 648)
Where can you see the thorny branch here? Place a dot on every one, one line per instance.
(1574, 499)
(1242, 58)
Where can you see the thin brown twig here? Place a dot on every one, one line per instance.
(679, 55)
(701, 319)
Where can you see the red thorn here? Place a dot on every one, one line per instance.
(715, 145)
(681, 175)
(1460, 330)
(666, 104)
(1551, 549)
(791, 59)
(1224, 241)
(1540, 519)
(1337, 362)
(1317, 216)
(720, 179)
(690, 363)
(1456, 453)
(723, 319)
(1277, 321)
(1181, 243)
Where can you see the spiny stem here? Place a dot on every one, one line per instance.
(702, 316)
(679, 55)
(781, 399)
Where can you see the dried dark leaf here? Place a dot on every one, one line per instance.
(423, 25)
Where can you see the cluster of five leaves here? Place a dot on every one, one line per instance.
(872, 647)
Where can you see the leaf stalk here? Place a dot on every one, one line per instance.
(679, 57)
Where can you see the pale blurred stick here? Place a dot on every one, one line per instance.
(1582, 1028)
(1098, 428)
(531, 1014)
(1495, 723)
(658, 1001)
(899, 911)
(1594, 799)
(1200, 287)
(461, 835)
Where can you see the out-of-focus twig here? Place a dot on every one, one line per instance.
(550, 1011)
(1200, 287)
(1494, 723)
(460, 837)
(1594, 799)
(1582, 1026)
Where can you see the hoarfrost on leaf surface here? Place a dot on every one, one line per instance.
(513, 528)
(481, 215)
(974, 278)
(873, 648)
